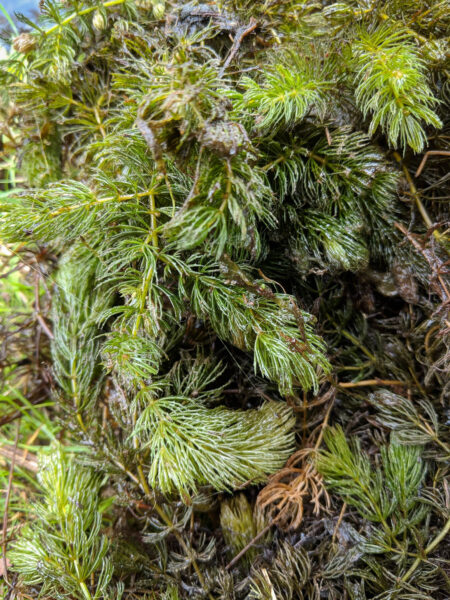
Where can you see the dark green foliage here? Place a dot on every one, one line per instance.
(285, 577)
(232, 275)
(392, 499)
(76, 345)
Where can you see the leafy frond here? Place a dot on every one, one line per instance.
(392, 87)
(194, 377)
(63, 549)
(285, 577)
(376, 493)
(240, 524)
(191, 445)
(72, 207)
(133, 358)
(254, 318)
(284, 97)
(410, 424)
(231, 200)
(348, 469)
(329, 172)
(339, 240)
(77, 304)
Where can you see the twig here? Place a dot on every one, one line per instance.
(324, 424)
(425, 158)
(10, 272)
(249, 545)
(29, 441)
(367, 382)
(356, 342)
(415, 194)
(8, 494)
(38, 313)
(240, 35)
(339, 521)
(98, 201)
(22, 459)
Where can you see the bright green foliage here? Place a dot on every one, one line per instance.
(62, 549)
(222, 248)
(392, 87)
(171, 593)
(338, 239)
(191, 445)
(376, 493)
(254, 318)
(283, 98)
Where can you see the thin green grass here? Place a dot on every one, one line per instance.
(9, 19)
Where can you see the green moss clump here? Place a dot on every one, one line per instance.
(218, 204)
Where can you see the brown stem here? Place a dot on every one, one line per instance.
(367, 382)
(240, 554)
(240, 35)
(8, 495)
(415, 194)
(425, 158)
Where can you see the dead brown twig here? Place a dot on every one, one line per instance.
(240, 35)
(425, 158)
(21, 458)
(415, 194)
(339, 521)
(291, 494)
(368, 382)
(37, 308)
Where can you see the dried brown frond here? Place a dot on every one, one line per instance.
(287, 492)
(298, 483)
